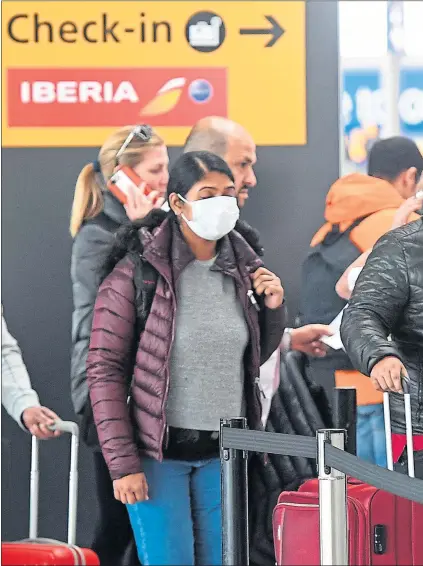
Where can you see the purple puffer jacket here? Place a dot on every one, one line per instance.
(112, 337)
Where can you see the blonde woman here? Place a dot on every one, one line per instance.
(96, 215)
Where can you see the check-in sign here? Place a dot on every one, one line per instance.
(75, 71)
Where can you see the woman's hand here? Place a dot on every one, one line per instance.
(131, 489)
(139, 204)
(267, 283)
(411, 205)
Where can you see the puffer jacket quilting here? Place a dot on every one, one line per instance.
(113, 333)
(388, 299)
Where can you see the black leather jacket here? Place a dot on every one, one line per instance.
(388, 299)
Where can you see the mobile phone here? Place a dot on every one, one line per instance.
(120, 182)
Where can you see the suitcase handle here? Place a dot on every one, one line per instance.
(72, 429)
(408, 427)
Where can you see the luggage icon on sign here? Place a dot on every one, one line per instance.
(203, 34)
(205, 31)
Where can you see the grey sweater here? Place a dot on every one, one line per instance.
(16, 391)
(206, 366)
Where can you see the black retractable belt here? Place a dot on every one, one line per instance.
(235, 441)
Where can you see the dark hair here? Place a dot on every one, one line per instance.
(193, 166)
(190, 168)
(388, 158)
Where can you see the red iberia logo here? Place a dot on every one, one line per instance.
(113, 97)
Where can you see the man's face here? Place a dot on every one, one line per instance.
(241, 157)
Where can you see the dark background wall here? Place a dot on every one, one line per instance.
(36, 291)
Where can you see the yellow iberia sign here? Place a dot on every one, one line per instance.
(75, 71)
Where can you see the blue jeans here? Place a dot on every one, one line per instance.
(371, 442)
(180, 524)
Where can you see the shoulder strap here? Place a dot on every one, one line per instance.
(334, 234)
(356, 223)
(145, 282)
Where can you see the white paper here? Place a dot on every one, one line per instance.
(335, 341)
(353, 276)
(269, 383)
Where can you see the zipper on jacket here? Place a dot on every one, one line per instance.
(250, 295)
(258, 391)
(257, 388)
(164, 435)
(253, 335)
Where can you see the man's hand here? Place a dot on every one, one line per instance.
(38, 419)
(307, 339)
(411, 205)
(139, 204)
(131, 489)
(267, 283)
(387, 375)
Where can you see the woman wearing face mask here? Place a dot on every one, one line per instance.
(96, 215)
(217, 314)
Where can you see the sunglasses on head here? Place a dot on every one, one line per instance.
(143, 133)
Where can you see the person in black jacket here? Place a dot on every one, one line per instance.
(96, 215)
(388, 300)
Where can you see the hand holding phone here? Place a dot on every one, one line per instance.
(137, 197)
(123, 181)
(139, 204)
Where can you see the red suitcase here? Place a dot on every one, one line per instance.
(36, 551)
(384, 530)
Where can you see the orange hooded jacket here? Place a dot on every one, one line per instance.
(350, 198)
(356, 196)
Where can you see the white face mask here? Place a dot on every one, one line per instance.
(212, 218)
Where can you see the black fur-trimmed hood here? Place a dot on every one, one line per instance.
(128, 240)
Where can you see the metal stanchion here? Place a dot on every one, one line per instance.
(345, 415)
(332, 503)
(234, 500)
